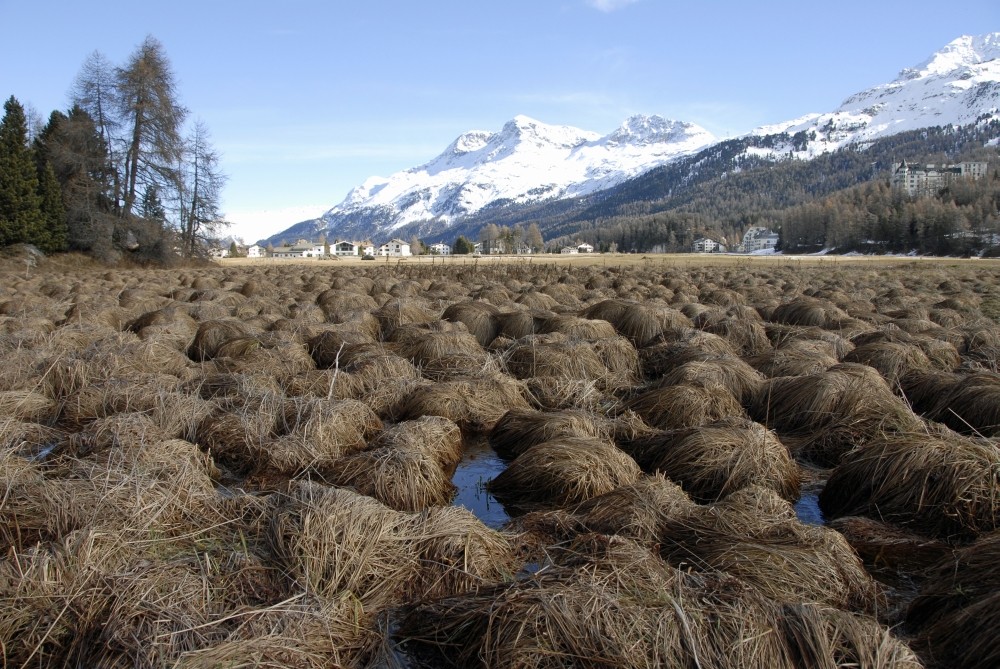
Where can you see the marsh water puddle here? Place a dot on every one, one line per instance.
(808, 511)
(479, 465)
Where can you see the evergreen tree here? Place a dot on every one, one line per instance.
(151, 207)
(462, 246)
(54, 236)
(21, 219)
(72, 145)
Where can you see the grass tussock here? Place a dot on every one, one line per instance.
(958, 601)
(473, 404)
(562, 472)
(519, 429)
(433, 436)
(733, 374)
(683, 405)
(754, 535)
(714, 460)
(401, 478)
(826, 415)
(636, 510)
(334, 542)
(943, 486)
(612, 604)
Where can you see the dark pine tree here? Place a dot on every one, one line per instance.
(21, 219)
(55, 235)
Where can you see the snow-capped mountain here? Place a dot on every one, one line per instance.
(528, 161)
(958, 85)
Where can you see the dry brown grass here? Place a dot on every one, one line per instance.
(797, 359)
(680, 346)
(441, 354)
(610, 604)
(957, 605)
(400, 478)
(473, 404)
(433, 436)
(27, 405)
(731, 373)
(212, 335)
(154, 418)
(479, 317)
(397, 312)
(938, 485)
(892, 360)
(458, 554)
(335, 543)
(637, 510)
(684, 405)
(555, 356)
(562, 472)
(742, 327)
(827, 414)
(714, 460)
(754, 535)
(890, 552)
(970, 405)
(520, 429)
(638, 323)
(314, 433)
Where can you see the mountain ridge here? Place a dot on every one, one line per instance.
(529, 163)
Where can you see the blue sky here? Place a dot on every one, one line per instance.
(306, 99)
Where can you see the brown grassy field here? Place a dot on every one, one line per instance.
(712, 461)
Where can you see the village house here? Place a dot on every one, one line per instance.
(570, 250)
(345, 248)
(300, 249)
(440, 249)
(757, 239)
(706, 245)
(585, 248)
(394, 247)
(256, 251)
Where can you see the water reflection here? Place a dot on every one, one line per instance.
(808, 511)
(479, 465)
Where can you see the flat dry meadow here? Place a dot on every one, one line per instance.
(582, 460)
(623, 260)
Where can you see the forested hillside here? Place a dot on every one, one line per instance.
(839, 199)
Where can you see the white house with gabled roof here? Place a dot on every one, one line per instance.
(395, 247)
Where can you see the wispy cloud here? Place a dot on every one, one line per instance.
(610, 5)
